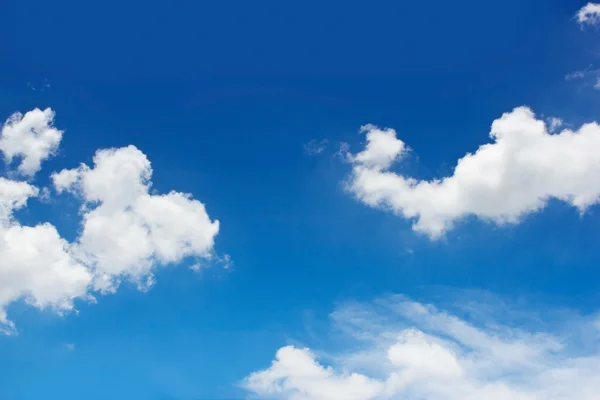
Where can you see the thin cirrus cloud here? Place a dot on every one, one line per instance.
(403, 349)
(516, 174)
(126, 231)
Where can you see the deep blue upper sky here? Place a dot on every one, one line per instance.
(221, 97)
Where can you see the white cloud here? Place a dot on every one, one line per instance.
(32, 137)
(35, 262)
(126, 231)
(296, 375)
(502, 181)
(589, 14)
(406, 350)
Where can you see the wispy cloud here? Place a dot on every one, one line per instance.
(402, 349)
(581, 74)
(315, 146)
(577, 74)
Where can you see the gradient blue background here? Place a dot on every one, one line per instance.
(222, 96)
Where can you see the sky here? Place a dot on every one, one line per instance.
(299, 201)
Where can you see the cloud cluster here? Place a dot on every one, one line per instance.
(402, 349)
(502, 181)
(589, 14)
(126, 231)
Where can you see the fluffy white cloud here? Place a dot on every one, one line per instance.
(13, 195)
(589, 14)
(127, 230)
(35, 262)
(406, 350)
(296, 375)
(32, 137)
(514, 175)
(37, 266)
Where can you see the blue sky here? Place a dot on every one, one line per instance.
(255, 110)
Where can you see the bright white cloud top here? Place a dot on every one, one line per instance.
(32, 137)
(589, 14)
(35, 263)
(126, 231)
(405, 350)
(502, 181)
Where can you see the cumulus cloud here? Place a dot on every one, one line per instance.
(32, 137)
(406, 350)
(295, 374)
(516, 174)
(589, 14)
(126, 231)
(35, 262)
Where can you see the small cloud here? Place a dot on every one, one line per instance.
(554, 123)
(589, 14)
(196, 267)
(581, 73)
(589, 76)
(226, 261)
(343, 151)
(30, 138)
(70, 347)
(315, 146)
(44, 195)
(575, 75)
